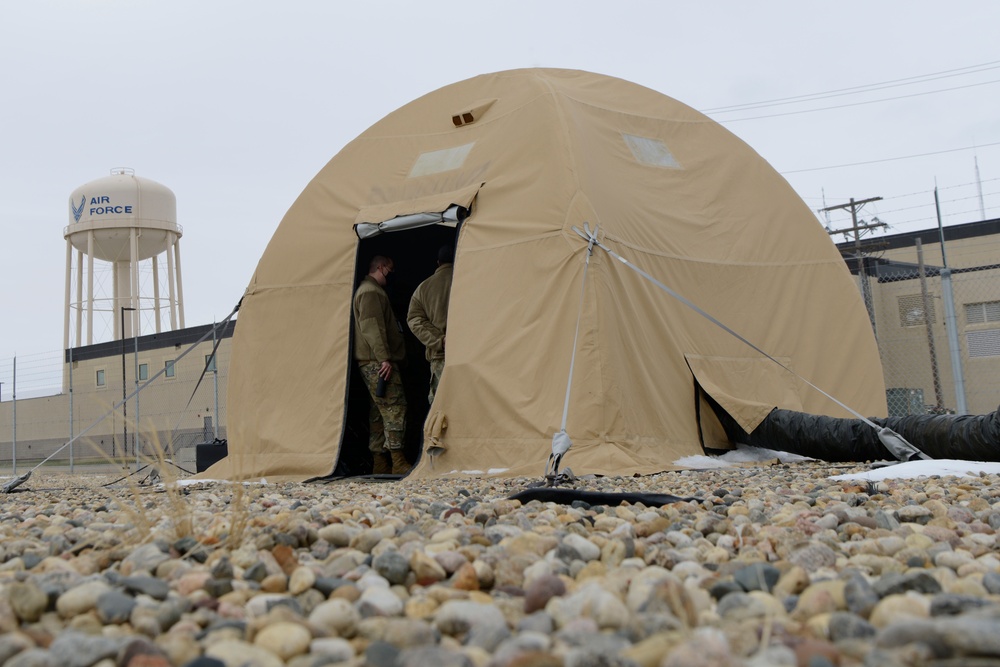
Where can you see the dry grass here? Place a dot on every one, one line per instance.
(155, 472)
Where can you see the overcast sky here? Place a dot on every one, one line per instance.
(236, 105)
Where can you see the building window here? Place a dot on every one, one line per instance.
(911, 311)
(169, 366)
(100, 378)
(983, 312)
(209, 362)
(143, 372)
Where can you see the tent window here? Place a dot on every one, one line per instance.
(435, 162)
(650, 151)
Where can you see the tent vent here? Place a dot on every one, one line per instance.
(985, 343)
(435, 162)
(911, 311)
(650, 151)
(472, 113)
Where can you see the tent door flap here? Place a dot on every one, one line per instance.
(748, 388)
(449, 209)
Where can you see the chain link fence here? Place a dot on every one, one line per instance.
(938, 328)
(68, 414)
(938, 333)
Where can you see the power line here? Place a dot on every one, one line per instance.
(943, 187)
(920, 193)
(962, 71)
(933, 217)
(890, 159)
(857, 104)
(884, 213)
(944, 201)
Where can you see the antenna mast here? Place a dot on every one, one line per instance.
(979, 189)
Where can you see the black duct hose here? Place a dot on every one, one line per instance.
(965, 437)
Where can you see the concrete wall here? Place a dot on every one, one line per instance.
(171, 412)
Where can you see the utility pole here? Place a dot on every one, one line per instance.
(950, 320)
(929, 326)
(857, 229)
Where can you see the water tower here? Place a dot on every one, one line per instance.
(121, 222)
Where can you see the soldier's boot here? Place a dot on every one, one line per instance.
(400, 466)
(383, 463)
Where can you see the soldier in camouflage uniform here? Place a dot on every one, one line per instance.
(427, 316)
(379, 349)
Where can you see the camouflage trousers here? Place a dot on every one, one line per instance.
(386, 415)
(437, 367)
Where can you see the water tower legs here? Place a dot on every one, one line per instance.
(82, 303)
(170, 290)
(126, 285)
(134, 319)
(69, 276)
(156, 291)
(116, 295)
(180, 283)
(90, 287)
(79, 297)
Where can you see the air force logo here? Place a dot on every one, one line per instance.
(78, 210)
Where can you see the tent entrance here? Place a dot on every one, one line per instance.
(413, 249)
(746, 388)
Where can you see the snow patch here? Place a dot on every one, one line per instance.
(742, 454)
(925, 468)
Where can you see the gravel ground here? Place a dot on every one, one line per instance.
(765, 565)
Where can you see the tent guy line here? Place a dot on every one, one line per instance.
(561, 441)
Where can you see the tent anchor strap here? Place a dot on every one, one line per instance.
(560, 440)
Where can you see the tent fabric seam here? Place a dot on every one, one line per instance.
(697, 260)
(521, 241)
(570, 145)
(704, 119)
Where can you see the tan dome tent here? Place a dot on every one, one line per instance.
(508, 167)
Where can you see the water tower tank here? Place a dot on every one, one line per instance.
(123, 222)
